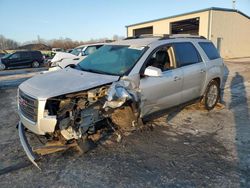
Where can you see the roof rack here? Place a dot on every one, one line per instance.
(165, 36)
(143, 36)
(174, 36)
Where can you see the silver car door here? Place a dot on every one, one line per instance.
(193, 81)
(193, 69)
(158, 93)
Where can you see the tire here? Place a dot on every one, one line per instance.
(212, 95)
(2, 66)
(35, 64)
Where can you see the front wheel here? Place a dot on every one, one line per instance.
(35, 64)
(2, 66)
(212, 95)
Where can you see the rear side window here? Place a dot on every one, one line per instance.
(210, 50)
(186, 54)
(36, 54)
(25, 55)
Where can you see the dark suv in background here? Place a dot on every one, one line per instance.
(21, 59)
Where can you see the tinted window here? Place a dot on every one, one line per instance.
(186, 54)
(210, 50)
(36, 54)
(15, 56)
(25, 55)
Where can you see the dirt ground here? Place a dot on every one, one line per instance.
(13, 77)
(187, 147)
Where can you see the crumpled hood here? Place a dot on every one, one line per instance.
(64, 81)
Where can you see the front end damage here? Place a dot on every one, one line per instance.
(83, 117)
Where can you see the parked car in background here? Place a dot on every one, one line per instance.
(63, 59)
(22, 58)
(57, 50)
(123, 82)
(69, 50)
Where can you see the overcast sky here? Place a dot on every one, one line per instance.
(24, 20)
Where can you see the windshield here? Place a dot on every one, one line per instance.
(76, 51)
(112, 59)
(7, 55)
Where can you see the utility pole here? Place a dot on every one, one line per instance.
(234, 4)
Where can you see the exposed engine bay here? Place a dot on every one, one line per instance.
(77, 113)
(82, 116)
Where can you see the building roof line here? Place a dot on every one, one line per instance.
(193, 12)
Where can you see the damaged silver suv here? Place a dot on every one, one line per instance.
(120, 84)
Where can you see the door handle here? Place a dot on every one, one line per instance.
(202, 71)
(176, 78)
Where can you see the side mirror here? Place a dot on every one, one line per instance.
(152, 71)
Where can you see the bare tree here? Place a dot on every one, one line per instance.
(65, 43)
(7, 43)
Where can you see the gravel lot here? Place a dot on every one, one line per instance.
(12, 78)
(188, 147)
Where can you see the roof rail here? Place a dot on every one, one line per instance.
(133, 37)
(144, 36)
(165, 36)
(174, 36)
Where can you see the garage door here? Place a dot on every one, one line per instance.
(190, 26)
(143, 31)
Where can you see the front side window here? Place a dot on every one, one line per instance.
(76, 51)
(186, 54)
(112, 59)
(162, 58)
(15, 56)
(7, 56)
(90, 50)
(210, 50)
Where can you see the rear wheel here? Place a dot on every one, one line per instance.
(35, 64)
(2, 66)
(212, 95)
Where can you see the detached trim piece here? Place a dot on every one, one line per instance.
(32, 157)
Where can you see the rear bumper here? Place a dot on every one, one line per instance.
(30, 154)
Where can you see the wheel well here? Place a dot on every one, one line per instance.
(217, 80)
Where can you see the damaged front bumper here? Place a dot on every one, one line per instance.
(30, 154)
